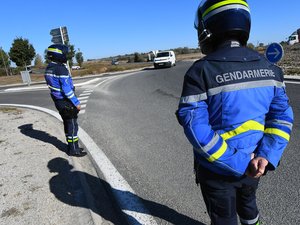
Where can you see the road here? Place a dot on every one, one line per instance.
(131, 118)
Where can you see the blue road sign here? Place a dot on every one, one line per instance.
(274, 52)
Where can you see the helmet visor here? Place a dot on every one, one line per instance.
(197, 19)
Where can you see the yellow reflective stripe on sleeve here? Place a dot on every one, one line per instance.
(247, 126)
(218, 153)
(220, 4)
(55, 50)
(278, 132)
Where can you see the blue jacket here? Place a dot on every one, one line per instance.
(234, 103)
(60, 82)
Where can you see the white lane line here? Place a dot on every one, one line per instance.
(108, 79)
(85, 94)
(82, 111)
(44, 86)
(131, 205)
(26, 88)
(84, 97)
(87, 82)
(88, 91)
(83, 106)
(83, 101)
(291, 82)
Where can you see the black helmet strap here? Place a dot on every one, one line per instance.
(205, 34)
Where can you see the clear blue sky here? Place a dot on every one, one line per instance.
(102, 28)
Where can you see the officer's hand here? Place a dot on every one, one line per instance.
(257, 167)
(78, 107)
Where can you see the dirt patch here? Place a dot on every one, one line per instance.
(10, 110)
(11, 212)
(17, 79)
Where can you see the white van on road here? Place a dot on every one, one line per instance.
(294, 37)
(165, 59)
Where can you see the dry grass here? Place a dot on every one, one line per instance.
(189, 56)
(17, 79)
(98, 67)
(88, 68)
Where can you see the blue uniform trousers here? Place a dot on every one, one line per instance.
(69, 116)
(225, 197)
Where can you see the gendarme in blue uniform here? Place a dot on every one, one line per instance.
(61, 87)
(234, 103)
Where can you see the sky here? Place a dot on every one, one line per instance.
(104, 28)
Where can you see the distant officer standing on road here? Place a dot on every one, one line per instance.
(61, 86)
(234, 111)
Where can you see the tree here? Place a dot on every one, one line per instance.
(79, 57)
(4, 61)
(38, 62)
(21, 52)
(250, 45)
(45, 56)
(138, 57)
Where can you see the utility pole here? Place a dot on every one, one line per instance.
(4, 63)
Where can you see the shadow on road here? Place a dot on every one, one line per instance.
(65, 186)
(29, 131)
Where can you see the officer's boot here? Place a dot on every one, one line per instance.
(74, 149)
(71, 129)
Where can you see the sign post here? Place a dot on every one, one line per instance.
(274, 53)
(26, 77)
(60, 36)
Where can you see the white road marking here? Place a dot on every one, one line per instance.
(87, 82)
(88, 91)
(292, 82)
(83, 101)
(44, 86)
(84, 97)
(82, 111)
(85, 94)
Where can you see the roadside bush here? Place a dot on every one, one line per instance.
(138, 57)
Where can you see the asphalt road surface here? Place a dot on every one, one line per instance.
(131, 118)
